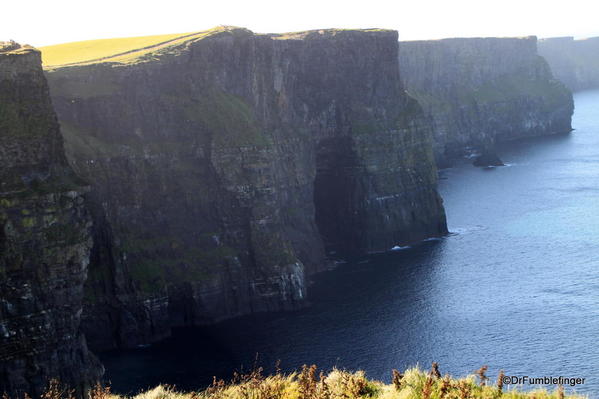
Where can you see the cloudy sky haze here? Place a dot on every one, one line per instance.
(42, 23)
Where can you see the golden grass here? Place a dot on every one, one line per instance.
(122, 50)
(337, 384)
(131, 49)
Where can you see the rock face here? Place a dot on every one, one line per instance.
(222, 166)
(574, 62)
(45, 238)
(484, 90)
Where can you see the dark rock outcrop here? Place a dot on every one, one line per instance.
(483, 90)
(45, 238)
(487, 158)
(222, 166)
(574, 62)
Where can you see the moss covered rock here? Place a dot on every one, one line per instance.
(215, 163)
(45, 238)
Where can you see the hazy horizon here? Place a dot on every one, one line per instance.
(68, 20)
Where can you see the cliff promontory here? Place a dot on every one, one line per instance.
(574, 62)
(223, 163)
(482, 91)
(45, 238)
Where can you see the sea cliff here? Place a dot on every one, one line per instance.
(482, 91)
(223, 163)
(45, 238)
(574, 62)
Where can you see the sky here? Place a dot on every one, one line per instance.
(44, 22)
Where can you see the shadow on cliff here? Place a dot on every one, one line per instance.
(368, 297)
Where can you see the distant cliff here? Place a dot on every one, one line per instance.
(484, 90)
(223, 163)
(574, 62)
(45, 238)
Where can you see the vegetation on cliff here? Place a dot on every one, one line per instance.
(480, 91)
(44, 237)
(121, 50)
(232, 143)
(131, 49)
(309, 383)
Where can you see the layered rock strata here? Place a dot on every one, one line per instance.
(482, 91)
(45, 238)
(223, 163)
(574, 62)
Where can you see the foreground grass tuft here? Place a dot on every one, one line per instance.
(309, 383)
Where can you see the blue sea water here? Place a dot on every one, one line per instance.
(515, 286)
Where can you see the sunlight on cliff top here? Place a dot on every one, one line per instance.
(12, 47)
(123, 50)
(131, 49)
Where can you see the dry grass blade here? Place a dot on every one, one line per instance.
(435, 370)
(481, 373)
(396, 379)
(500, 381)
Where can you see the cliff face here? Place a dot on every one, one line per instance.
(222, 164)
(481, 91)
(44, 238)
(574, 62)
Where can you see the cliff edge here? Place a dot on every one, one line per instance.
(223, 163)
(574, 62)
(482, 91)
(45, 238)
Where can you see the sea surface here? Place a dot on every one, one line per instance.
(515, 286)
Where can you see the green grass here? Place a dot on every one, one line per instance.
(230, 119)
(507, 90)
(159, 261)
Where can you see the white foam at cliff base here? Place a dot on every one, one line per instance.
(398, 248)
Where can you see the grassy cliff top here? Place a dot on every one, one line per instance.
(471, 39)
(121, 50)
(132, 49)
(323, 32)
(569, 39)
(14, 48)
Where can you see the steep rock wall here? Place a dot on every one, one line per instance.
(483, 90)
(574, 62)
(222, 166)
(45, 238)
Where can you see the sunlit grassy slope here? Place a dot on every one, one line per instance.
(122, 50)
(309, 383)
(131, 49)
